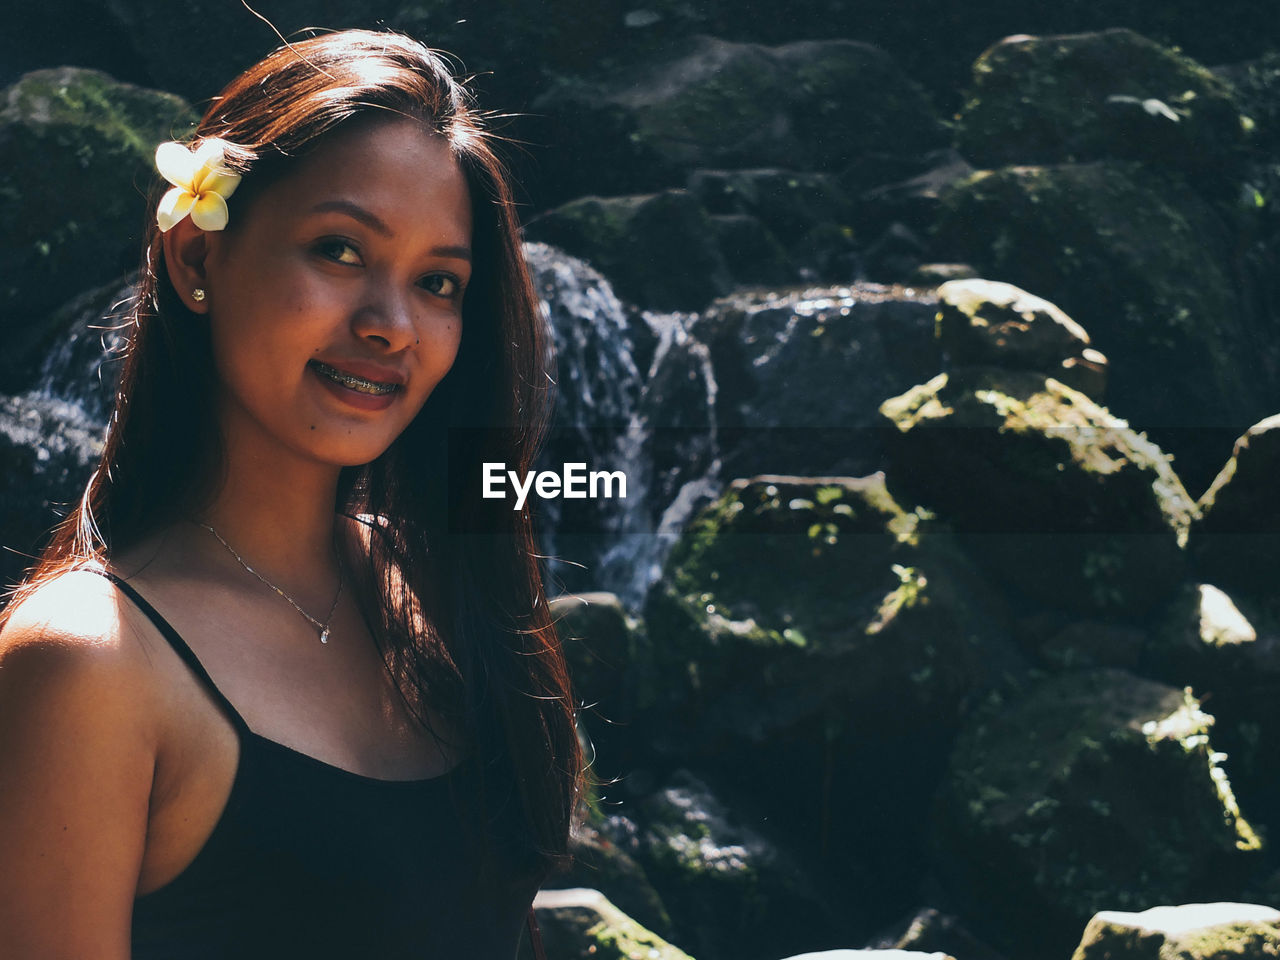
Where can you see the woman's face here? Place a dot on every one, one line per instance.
(335, 304)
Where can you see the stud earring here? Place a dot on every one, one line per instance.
(197, 294)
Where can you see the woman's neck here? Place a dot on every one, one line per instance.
(278, 508)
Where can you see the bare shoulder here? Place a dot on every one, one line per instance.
(77, 630)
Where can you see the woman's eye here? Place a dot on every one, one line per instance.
(441, 284)
(340, 251)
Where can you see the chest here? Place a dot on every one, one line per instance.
(316, 708)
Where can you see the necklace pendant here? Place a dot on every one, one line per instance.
(324, 635)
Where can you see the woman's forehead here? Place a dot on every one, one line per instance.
(397, 168)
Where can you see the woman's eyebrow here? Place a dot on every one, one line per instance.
(355, 212)
(376, 223)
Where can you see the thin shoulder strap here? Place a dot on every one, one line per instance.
(179, 646)
(535, 935)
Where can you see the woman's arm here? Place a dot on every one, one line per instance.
(77, 754)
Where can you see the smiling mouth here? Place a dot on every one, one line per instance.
(351, 381)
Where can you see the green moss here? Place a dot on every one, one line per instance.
(1082, 97)
(76, 155)
(1126, 807)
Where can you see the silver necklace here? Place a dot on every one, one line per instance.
(322, 627)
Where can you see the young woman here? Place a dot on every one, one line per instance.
(285, 684)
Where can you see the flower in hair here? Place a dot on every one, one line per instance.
(201, 184)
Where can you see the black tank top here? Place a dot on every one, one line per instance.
(311, 861)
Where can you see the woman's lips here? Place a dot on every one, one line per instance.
(364, 378)
(365, 386)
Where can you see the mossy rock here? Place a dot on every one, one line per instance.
(706, 103)
(871, 611)
(1236, 541)
(582, 924)
(993, 324)
(789, 202)
(1111, 94)
(912, 198)
(732, 891)
(600, 864)
(849, 96)
(76, 162)
(1063, 502)
(799, 374)
(1092, 790)
(1144, 265)
(752, 253)
(1190, 931)
(807, 631)
(806, 220)
(658, 250)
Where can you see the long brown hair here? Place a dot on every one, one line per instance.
(453, 590)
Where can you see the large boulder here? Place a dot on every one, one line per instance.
(1146, 267)
(812, 630)
(909, 198)
(1090, 96)
(873, 612)
(707, 103)
(808, 216)
(800, 374)
(732, 892)
(77, 155)
(1092, 790)
(790, 203)
(1062, 501)
(659, 250)
(1190, 931)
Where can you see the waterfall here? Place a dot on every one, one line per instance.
(605, 416)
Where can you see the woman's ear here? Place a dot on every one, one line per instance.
(186, 248)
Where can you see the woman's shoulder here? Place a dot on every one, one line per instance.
(75, 634)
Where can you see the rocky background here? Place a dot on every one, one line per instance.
(940, 615)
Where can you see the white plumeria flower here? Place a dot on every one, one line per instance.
(201, 184)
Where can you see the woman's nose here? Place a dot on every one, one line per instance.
(385, 316)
